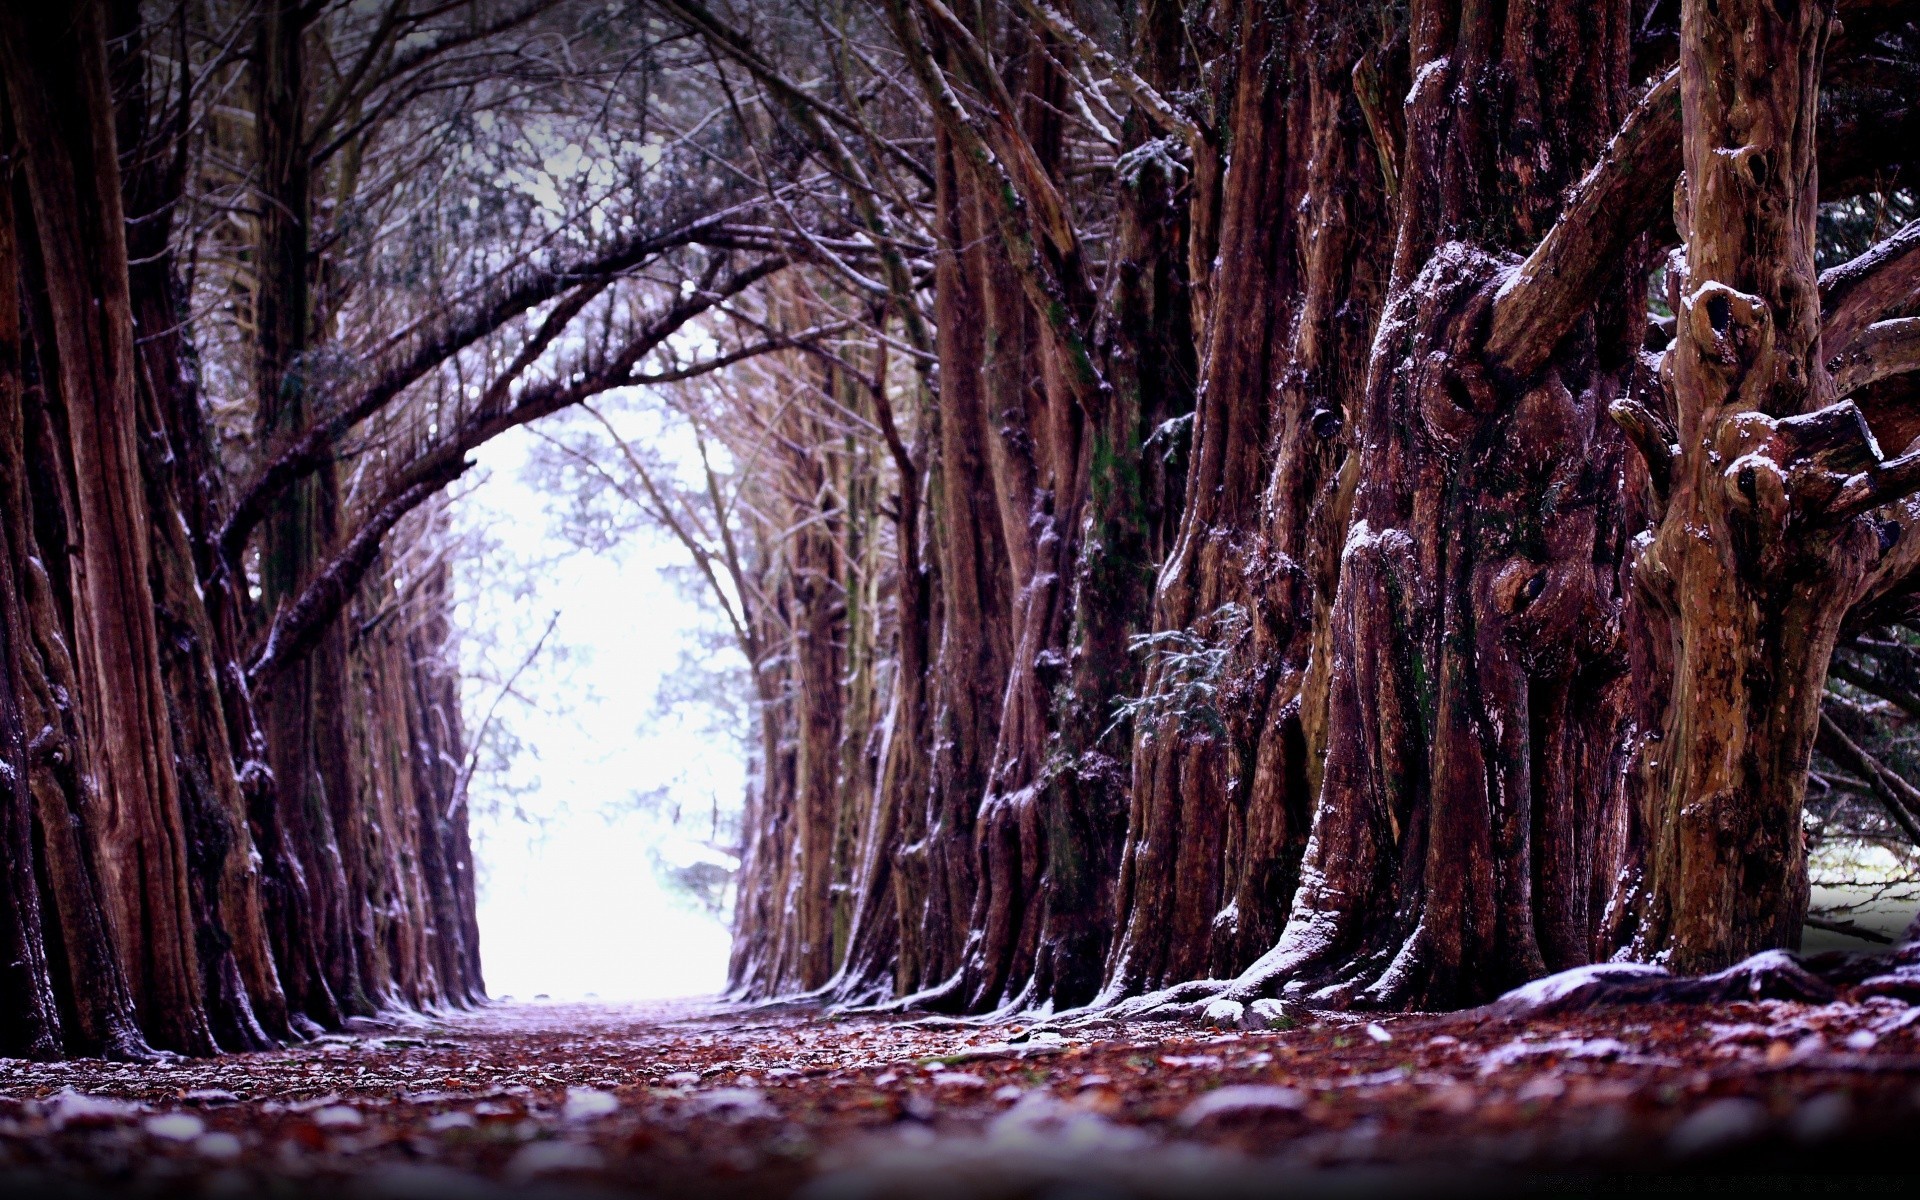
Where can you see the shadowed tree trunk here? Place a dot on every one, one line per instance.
(1172, 874)
(97, 1014)
(31, 1025)
(1471, 649)
(934, 869)
(303, 713)
(56, 68)
(236, 958)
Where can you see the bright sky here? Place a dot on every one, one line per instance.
(571, 902)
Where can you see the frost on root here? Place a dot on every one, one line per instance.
(1770, 975)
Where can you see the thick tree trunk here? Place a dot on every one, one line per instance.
(1473, 662)
(30, 1023)
(57, 77)
(236, 959)
(96, 1008)
(436, 748)
(1188, 769)
(1053, 820)
(1751, 575)
(934, 871)
(303, 709)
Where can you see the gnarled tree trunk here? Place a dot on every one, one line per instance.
(1756, 561)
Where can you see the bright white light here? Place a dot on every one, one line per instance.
(572, 904)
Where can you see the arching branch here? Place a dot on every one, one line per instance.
(425, 349)
(1621, 196)
(298, 626)
(1883, 350)
(1859, 292)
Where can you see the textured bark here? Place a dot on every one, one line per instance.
(56, 72)
(934, 871)
(1050, 823)
(405, 727)
(302, 710)
(1751, 577)
(244, 998)
(96, 1007)
(1171, 875)
(30, 1023)
(1472, 655)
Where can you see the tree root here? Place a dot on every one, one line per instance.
(1770, 975)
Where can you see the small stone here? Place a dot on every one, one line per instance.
(1718, 1126)
(552, 1158)
(589, 1104)
(338, 1116)
(68, 1107)
(211, 1096)
(175, 1127)
(218, 1146)
(1225, 1014)
(1822, 1118)
(1379, 1033)
(734, 1104)
(1242, 1100)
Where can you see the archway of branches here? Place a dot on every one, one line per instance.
(1178, 509)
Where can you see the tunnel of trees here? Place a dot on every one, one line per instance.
(1363, 501)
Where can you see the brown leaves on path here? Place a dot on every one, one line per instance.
(698, 1098)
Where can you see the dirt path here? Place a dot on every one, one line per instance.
(694, 1098)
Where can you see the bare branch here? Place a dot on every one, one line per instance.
(1900, 799)
(1859, 292)
(1157, 108)
(1620, 197)
(508, 299)
(1884, 349)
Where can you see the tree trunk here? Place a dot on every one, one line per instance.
(1050, 852)
(1473, 660)
(1749, 574)
(304, 706)
(30, 1023)
(1186, 765)
(934, 872)
(96, 1008)
(57, 76)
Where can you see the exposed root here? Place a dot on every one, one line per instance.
(1770, 975)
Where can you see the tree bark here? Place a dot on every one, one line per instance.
(1749, 575)
(1472, 652)
(303, 708)
(56, 72)
(30, 1023)
(1188, 771)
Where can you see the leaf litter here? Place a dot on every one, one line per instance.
(690, 1098)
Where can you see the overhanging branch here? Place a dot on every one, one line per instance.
(297, 627)
(508, 299)
(1859, 292)
(1883, 350)
(1619, 198)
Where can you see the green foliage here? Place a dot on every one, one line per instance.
(1185, 672)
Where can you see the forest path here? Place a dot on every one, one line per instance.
(695, 1097)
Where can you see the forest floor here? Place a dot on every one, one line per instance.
(690, 1098)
